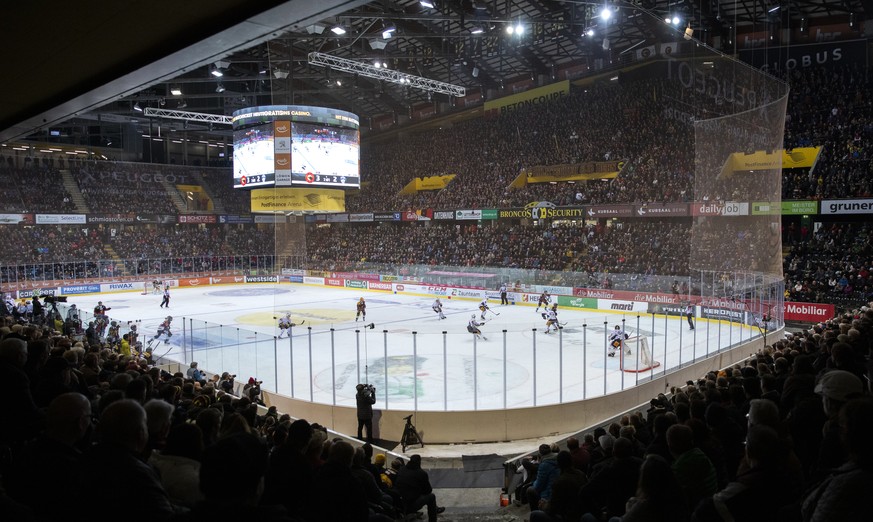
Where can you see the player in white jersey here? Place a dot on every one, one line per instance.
(285, 325)
(544, 301)
(552, 318)
(438, 308)
(483, 307)
(616, 340)
(473, 328)
(503, 299)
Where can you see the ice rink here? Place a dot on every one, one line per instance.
(415, 360)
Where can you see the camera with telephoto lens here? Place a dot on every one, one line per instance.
(369, 390)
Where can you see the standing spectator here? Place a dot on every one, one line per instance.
(414, 486)
(365, 398)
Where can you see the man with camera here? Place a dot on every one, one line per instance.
(365, 399)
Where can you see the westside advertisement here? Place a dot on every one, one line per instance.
(262, 279)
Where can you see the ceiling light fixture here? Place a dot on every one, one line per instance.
(338, 30)
(219, 87)
(216, 73)
(176, 91)
(426, 3)
(477, 29)
(136, 107)
(388, 31)
(315, 28)
(606, 13)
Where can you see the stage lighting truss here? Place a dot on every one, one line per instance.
(188, 116)
(387, 75)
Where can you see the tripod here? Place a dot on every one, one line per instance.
(410, 435)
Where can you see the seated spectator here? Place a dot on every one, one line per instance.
(178, 464)
(563, 505)
(845, 493)
(113, 467)
(244, 458)
(658, 497)
(693, 470)
(414, 486)
(540, 490)
(609, 489)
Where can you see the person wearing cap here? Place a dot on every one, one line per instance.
(414, 486)
(252, 390)
(541, 490)
(836, 388)
(845, 493)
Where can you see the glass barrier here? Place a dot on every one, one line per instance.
(438, 371)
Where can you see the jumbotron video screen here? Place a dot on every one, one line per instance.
(253, 157)
(324, 155)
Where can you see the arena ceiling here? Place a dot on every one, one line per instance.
(85, 73)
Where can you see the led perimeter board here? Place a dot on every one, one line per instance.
(309, 146)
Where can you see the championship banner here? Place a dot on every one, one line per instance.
(298, 199)
(428, 183)
(536, 96)
(799, 158)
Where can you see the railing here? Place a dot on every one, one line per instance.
(429, 369)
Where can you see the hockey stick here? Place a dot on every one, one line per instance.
(492, 311)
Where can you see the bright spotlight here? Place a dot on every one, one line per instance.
(606, 14)
(519, 29)
(510, 29)
(676, 20)
(590, 32)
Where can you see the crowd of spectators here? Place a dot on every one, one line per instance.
(24, 189)
(783, 436)
(115, 187)
(83, 416)
(834, 264)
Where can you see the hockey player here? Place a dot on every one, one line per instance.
(544, 301)
(473, 328)
(616, 340)
(113, 337)
(483, 307)
(72, 311)
(164, 328)
(503, 298)
(438, 308)
(166, 300)
(362, 309)
(100, 309)
(285, 325)
(552, 318)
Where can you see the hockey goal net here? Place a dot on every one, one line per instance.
(636, 356)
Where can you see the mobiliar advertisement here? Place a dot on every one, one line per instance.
(808, 312)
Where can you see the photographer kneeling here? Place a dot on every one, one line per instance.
(365, 398)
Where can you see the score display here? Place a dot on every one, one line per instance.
(282, 146)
